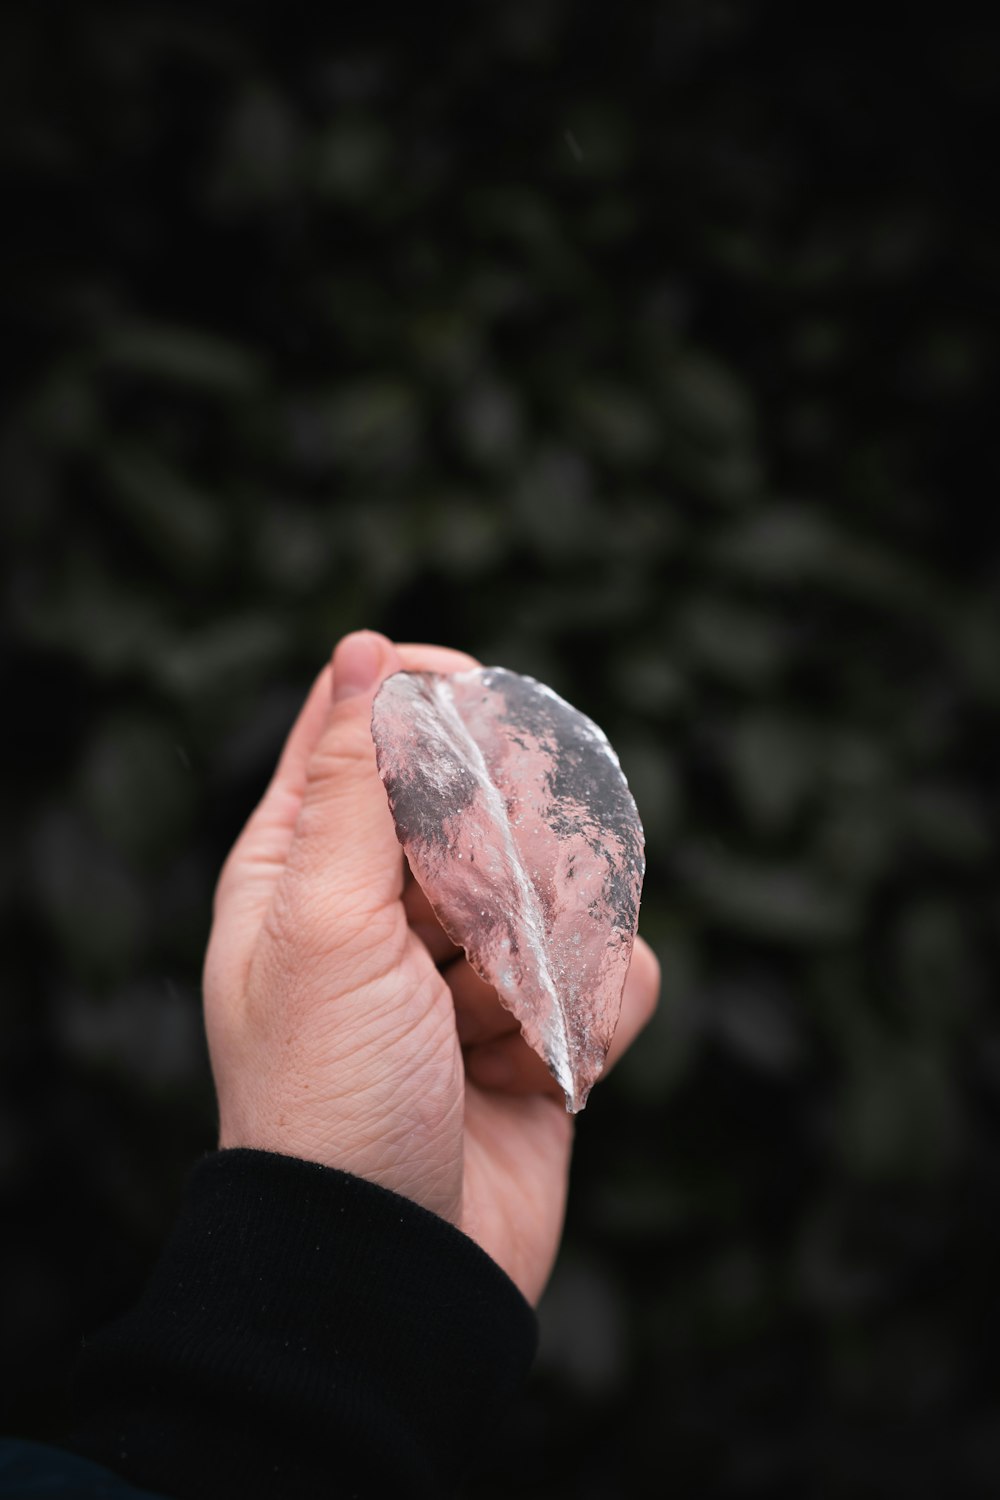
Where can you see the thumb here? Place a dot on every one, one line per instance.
(360, 661)
(345, 861)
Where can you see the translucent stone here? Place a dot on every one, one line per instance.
(518, 823)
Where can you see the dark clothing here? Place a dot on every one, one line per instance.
(304, 1334)
(31, 1471)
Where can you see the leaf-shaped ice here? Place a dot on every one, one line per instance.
(519, 825)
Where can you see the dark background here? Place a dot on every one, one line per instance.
(643, 350)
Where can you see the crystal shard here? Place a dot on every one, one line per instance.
(518, 823)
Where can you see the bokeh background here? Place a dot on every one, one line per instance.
(645, 350)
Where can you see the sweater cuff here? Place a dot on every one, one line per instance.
(304, 1332)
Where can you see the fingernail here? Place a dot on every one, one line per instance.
(356, 664)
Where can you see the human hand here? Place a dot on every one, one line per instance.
(343, 1025)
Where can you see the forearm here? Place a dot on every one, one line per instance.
(304, 1332)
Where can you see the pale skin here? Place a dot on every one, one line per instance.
(343, 1025)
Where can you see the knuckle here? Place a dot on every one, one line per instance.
(337, 755)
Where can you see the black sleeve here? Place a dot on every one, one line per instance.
(304, 1333)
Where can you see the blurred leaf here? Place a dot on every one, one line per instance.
(797, 546)
(651, 682)
(755, 1021)
(258, 152)
(777, 902)
(946, 821)
(976, 644)
(135, 788)
(817, 343)
(596, 140)
(553, 502)
(107, 623)
(856, 840)
(186, 357)
(446, 342)
(666, 1052)
(611, 218)
(384, 540)
(65, 411)
(148, 1034)
(639, 1204)
(489, 424)
(367, 425)
(743, 645)
(464, 535)
(831, 1275)
(94, 909)
(934, 956)
(351, 158)
(182, 525)
(221, 661)
(780, 543)
(773, 761)
(653, 776)
(609, 600)
(856, 761)
(582, 1329)
(615, 421)
(520, 214)
(352, 304)
(898, 1114)
(708, 400)
(293, 548)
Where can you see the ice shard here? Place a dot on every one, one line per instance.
(518, 823)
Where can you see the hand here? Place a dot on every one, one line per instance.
(343, 1025)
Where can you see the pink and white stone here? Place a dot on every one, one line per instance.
(518, 823)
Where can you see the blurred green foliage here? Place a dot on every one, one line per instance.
(645, 351)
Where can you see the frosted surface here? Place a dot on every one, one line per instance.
(519, 825)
